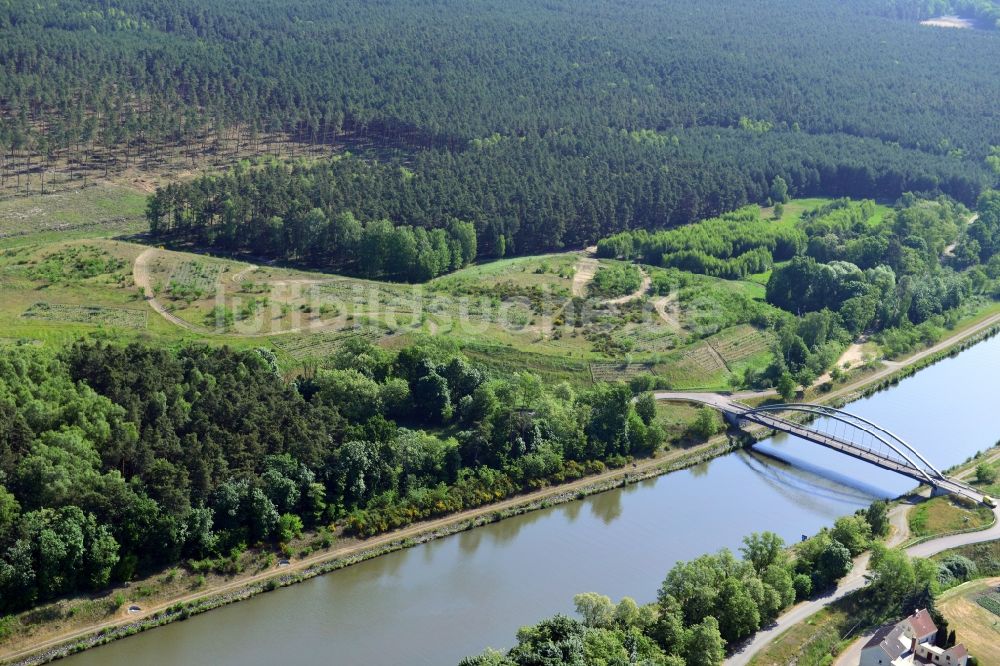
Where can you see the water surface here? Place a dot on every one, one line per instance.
(435, 603)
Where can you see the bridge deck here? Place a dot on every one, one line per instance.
(861, 453)
(774, 422)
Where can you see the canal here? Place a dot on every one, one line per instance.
(435, 603)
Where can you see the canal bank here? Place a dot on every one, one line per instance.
(384, 590)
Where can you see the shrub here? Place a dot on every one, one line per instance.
(986, 474)
(803, 586)
(705, 425)
(956, 569)
(7, 626)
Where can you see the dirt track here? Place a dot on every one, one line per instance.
(142, 279)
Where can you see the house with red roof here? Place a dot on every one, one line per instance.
(910, 642)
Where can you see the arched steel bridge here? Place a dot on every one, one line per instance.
(842, 431)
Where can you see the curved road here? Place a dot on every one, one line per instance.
(855, 580)
(587, 267)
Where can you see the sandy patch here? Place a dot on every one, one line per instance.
(949, 22)
(852, 357)
(586, 269)
(666, 307)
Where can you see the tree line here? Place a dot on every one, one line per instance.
(115, 460)
(91, 85)
(713, 602)
(521, 199)
(294, 215)
(731, 246)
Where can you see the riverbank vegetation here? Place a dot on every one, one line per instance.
(354, 375)
(817, 640)
(118, 459)
(423, 143)
(715, 601)
(718, 600)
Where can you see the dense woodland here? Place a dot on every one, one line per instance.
(535, 195)
(546, 126)
(439, 73)
(986, 12)
(114, 459)
(520, 127)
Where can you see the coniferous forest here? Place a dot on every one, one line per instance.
(545, 126)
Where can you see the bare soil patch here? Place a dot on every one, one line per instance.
(950, 22)
(586, 269)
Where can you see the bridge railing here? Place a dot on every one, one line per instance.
(890, 441)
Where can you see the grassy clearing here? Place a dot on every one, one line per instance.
(87, 314)
(944, 515)
(319, 346)
(739, 343)
(554, 271)
(676, 418)
(48, 291)
(975, 626)
(794, 209)
(548, 367)
(610, 371)
(813, 641)
(513, 314)
(92, 212)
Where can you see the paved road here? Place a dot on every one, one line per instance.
(855, 580)
(772, 421)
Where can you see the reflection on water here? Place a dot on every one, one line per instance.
(800, 480)
(440, 601)
(608, 506)
(701, 469)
